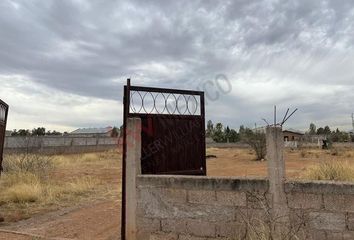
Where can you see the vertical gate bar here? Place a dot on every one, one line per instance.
(202, 115)
(126, 102)
(2, 141)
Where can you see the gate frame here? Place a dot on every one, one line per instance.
(126, 114)
(2, 142)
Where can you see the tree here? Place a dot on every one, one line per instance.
(218, 135)
(21, 132)
(320, 131)
(227, 132)
(327, 130)
(312, 129)
(115, 132)
(339, 136)
(53, 133)
(40, 131)
(14, 132)
(257, 141)
(242, 130)
(210, 129)
(234, 136)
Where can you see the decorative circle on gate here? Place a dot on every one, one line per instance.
(182, 104)
(159, 103)
(192, 105)
(145, 102)
(136, 102)
(148, 102)
(171, 103)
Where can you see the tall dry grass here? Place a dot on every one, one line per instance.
(331, 170)
(27, 179)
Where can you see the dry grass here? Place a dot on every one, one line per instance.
(331, 170)
(34, 163)
(32, 184)
(240, 162)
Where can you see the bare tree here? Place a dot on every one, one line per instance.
(256, 139)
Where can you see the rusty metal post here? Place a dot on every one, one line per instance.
(5, 109)
(126, 105)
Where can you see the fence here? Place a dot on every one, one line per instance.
(195, 207)
(59, 144)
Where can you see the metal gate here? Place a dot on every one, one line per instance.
(4, 108)
(173, 131)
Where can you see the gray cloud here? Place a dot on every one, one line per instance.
(289, 53)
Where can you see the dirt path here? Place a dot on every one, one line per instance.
(99, 221)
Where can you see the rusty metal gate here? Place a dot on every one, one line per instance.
(173, 131)
(4, 108)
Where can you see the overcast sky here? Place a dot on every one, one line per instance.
(63, 63)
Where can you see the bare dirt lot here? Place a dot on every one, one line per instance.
(95, 214)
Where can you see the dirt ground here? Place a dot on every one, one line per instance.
(99, 217)
(99, 221)
(240, 162)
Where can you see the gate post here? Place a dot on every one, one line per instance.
(276, 175)
(133, 168)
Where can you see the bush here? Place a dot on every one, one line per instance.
(331, 170)
(20, 187)
(82, 185)
(22, 193)
(33, 163)
(257, 141)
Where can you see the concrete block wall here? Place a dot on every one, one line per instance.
(327, 207)
(202, 208)
(58, 144)
(196, 208)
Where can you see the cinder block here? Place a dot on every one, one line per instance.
(163, 236)
(202, 196)
(304, 201)
(318, 235)
(201, 228)
(335, 235)
(350, 221)
(174, 195)
(299, 219)
(252, 215)
(259, 200)
(233, 230)
(189, 237)
(327, 221)
(229, 198)
(168, 195)
(348, 235)
(146, 226)
(343, 203)
(174, 225)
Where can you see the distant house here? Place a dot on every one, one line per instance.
(92, 132)
(292, 135)
(8, 133)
